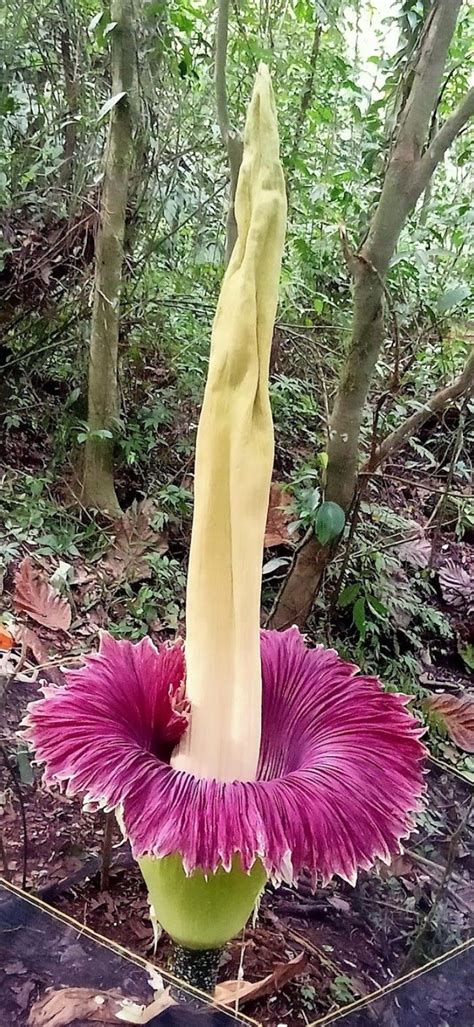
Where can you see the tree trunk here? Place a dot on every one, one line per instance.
(98, 485)
(408, 173)
(66, 173)
(231, 140)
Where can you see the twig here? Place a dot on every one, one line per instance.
(109, 823)
(4, 859)
(19, 795)
(307, 92)
(462, 386)
(231, 140)
(411, 958)
(308, 945)
(304, 910)
(458, 441)
(372, 463)
(347, 550)
(17, 668)
(380, 477)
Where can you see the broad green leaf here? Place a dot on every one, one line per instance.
(24, 765)
(467, 655)
(376, 606)
(101, 433)
(329, 523)
(110, 104)
(358, 617)
(452, 297)
(95, 21)
(349, 594)
(71, 399)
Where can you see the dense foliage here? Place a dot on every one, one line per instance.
(339, 74)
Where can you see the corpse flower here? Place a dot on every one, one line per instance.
(244, 755)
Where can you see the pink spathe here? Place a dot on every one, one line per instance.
(339, 775)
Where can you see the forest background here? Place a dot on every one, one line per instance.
(107, 310)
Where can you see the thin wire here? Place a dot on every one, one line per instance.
(387, 989)
(109, 944)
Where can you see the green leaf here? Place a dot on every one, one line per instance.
(358, 617)
(329, 523)
(72, 398)
(275, 564)
(110, 104)
(452, 297)
(376, 606)
(349, 594)
(95, 21)
(467, 655)
(62, 576)
(24, 766)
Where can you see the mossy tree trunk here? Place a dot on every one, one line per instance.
(98, 488)
(410, 167)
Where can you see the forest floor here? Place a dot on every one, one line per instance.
(353, 940)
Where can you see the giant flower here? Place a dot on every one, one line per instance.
(246, 754)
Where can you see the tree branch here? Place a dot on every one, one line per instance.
(231, 140)
(222, 34)
(427, 77)
(434, 405)
(307, 92)
(402, 183)
(445, 136)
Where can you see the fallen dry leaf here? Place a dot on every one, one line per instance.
(64, 1006)
(34, 596)
(15, 968)
(139, 1014)
(278, 517)
(134, 539)
(416, 552)
(399, 867)
(456, 714)
(456, 583)
(342, 905)
(23, 994)
(7, 640)
(245, 991)
(30, 640)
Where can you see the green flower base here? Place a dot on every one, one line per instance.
(201, 912)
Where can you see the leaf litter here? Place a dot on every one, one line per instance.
(135, 538)
(35, 597)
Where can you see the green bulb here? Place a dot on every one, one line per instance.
(199, 912)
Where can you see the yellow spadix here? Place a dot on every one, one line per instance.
(234, 458)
